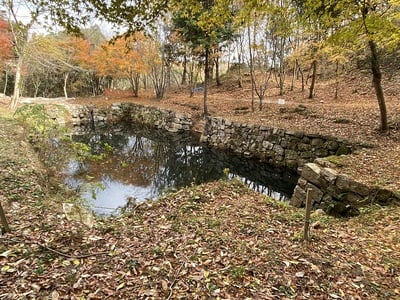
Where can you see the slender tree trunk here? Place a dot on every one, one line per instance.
(302, 79)
(240, 83)
(36, 85)
(5, 83)
(282, 71)
(251, 68)
(206, 80)
(313, 78)
(293, 76)
(376, 79)
(17, 84)
(66, 75)
(337, 80)
(135, 80)
(184, 72)
(217, 77)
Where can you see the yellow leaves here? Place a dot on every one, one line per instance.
(120, 286)
(6, 253)
(7, 269)
(164, 285)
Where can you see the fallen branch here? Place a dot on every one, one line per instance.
(174, 281)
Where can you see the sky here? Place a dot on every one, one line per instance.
(23, 11)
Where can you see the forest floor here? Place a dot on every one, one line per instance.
(214, 241)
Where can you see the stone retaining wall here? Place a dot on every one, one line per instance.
(156, 117)
(336, 193)
(278, 147)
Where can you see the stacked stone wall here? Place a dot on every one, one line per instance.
(278, 147)
(147, 115)
(336, 193)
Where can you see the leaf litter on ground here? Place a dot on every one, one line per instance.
(214, 241)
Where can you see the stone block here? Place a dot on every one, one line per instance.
(316, 142)
(314, 193)
(359, 188)
(324, 163)
(303, 147)
(343, 182)
(384, 197)
(321, 152)
(298, 134)
(332, 145)
(329, 175)
(279, 150)
(267, 145)
(311, 172)
(291, 155)
(302, 183)
(352, 198)
(299, 197)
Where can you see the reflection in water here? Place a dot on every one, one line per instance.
(142, 163)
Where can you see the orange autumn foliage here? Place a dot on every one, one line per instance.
(123, 58)
(6, 43)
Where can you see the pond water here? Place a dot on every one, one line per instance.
(140, 164)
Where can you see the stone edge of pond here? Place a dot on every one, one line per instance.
(335, 193)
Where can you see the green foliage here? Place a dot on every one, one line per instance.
(238, 272)
(40, 125)
(204, 24)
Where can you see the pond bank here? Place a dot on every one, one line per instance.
(336, 193)
(217, 240)
(211, 241)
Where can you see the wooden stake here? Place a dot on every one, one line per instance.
(306, 235)
(4, 220)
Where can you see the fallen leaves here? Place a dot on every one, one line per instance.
(218, 240)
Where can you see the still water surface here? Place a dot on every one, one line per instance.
(141, 163)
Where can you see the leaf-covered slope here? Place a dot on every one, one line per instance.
(217, 240)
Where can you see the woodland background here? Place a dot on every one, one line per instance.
(160, 45)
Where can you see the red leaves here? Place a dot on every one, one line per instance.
(6, 42)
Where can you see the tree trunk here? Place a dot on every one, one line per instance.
(302, 79)
(293, 75)
(134, 80)
(251, 69)
(376, 79)
(337, 80)
(240, 82)
(313, 77)
(217, 77)
(5, 83)
(184, 72)
(17, 84)
(66, 75)
(282, 70)
(206, 79)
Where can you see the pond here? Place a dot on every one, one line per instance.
(141, 163)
